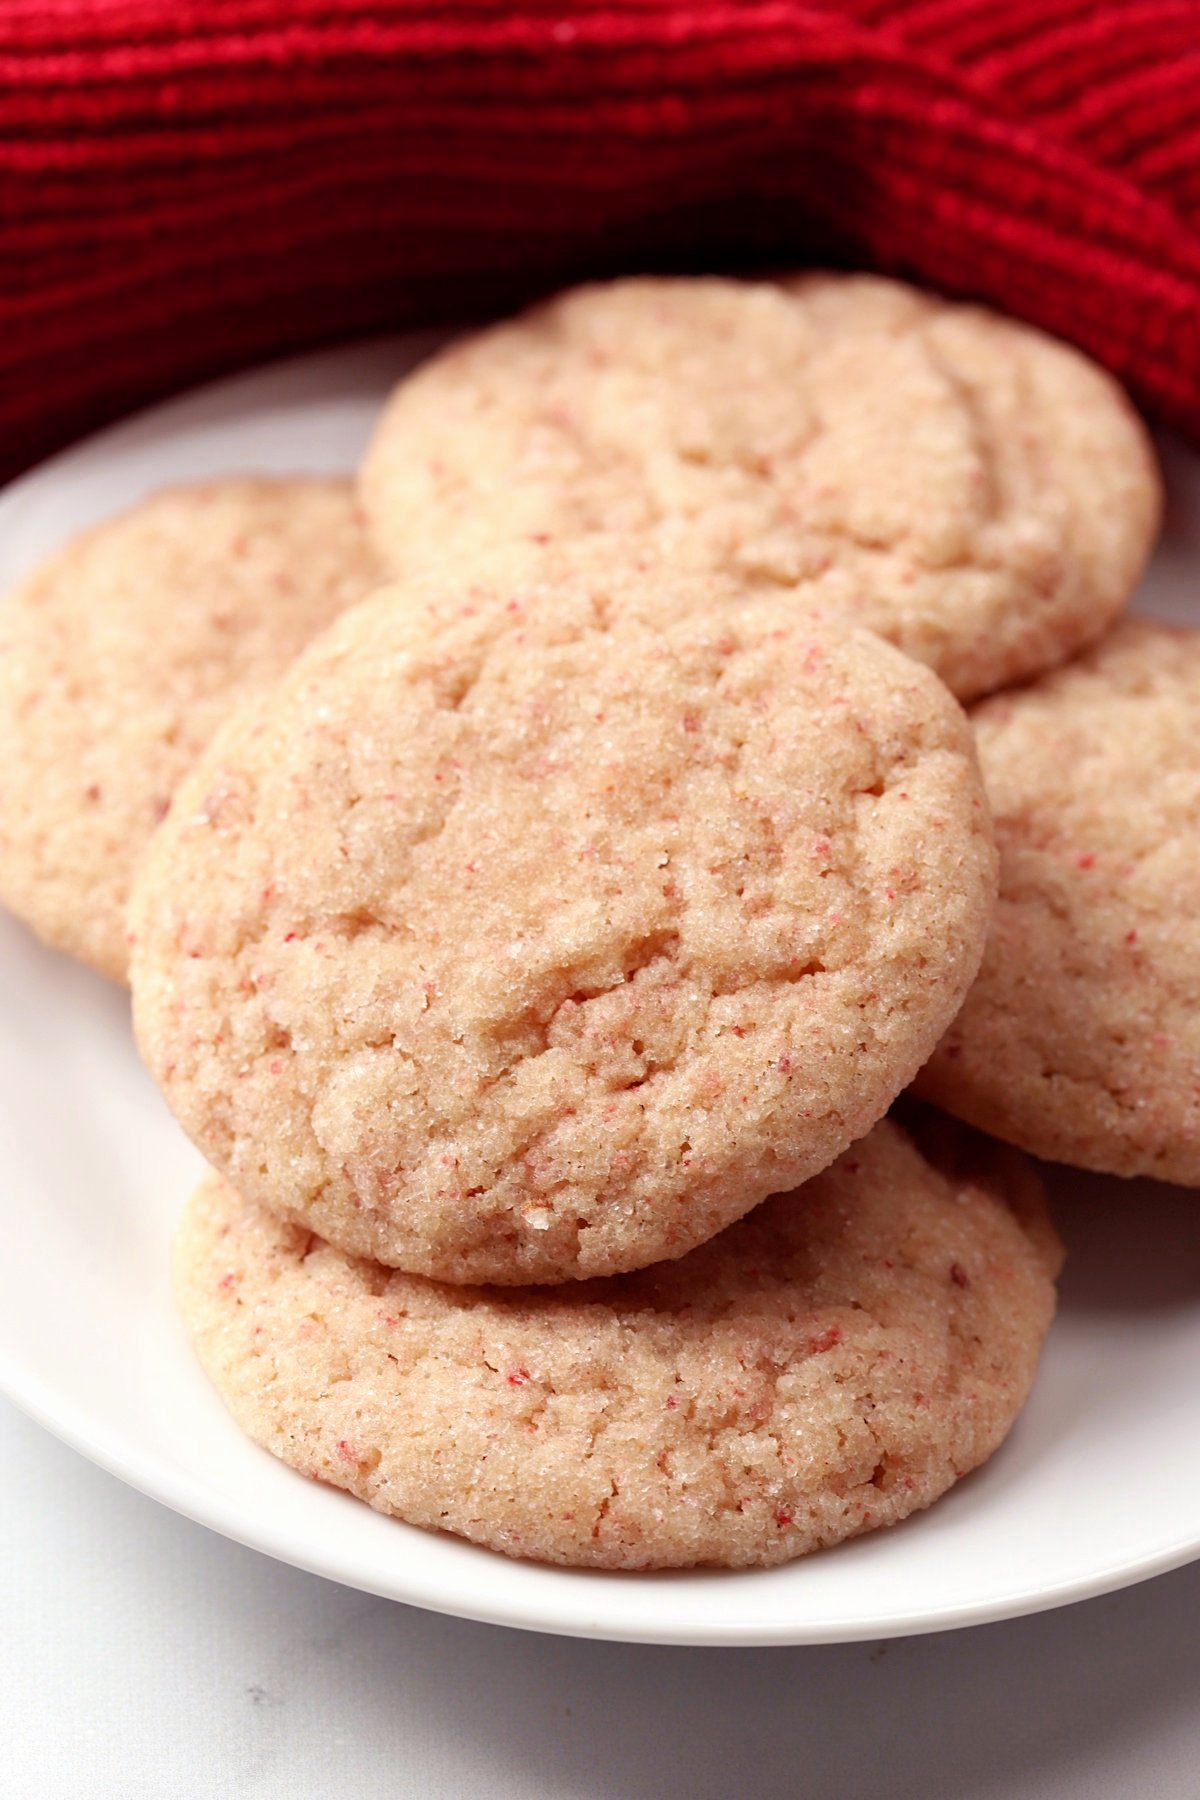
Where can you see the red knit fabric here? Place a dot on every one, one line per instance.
(188, 185)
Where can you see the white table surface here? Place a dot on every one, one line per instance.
(144, 1658)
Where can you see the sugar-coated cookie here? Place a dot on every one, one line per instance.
(513, 938)
(1080, 1040)
(980, 494)
(827, 1366)
(119, 657)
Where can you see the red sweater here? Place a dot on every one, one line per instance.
(188, 185)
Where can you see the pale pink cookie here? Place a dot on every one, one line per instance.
(826, 1367)
(1080, 1040)
(515, 938)
(978, 493)
(121, 655)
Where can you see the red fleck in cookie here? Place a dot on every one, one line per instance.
(979, 494)
(826, 1367)
(120, 656)
(1080, 1041)
(513, 939)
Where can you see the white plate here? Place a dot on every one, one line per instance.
(1099, 1484)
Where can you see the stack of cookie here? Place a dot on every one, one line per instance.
(536, 955)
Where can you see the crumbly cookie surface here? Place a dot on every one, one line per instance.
(518, 940)
(825, 1367)
(120, 656)
(1080, 1040)
(978, 493)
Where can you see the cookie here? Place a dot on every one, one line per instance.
(979, 494)
(826, 1367)
(1080, 1040)
(516, 941)
(120, 656)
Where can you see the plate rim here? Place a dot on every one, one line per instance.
(186, 1498)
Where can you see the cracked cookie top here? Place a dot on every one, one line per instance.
(978, 493)
(121, 655)
(515, 937)
(823, 1368)
(1080, 1041)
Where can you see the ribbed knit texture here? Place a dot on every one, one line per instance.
(189, 185)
